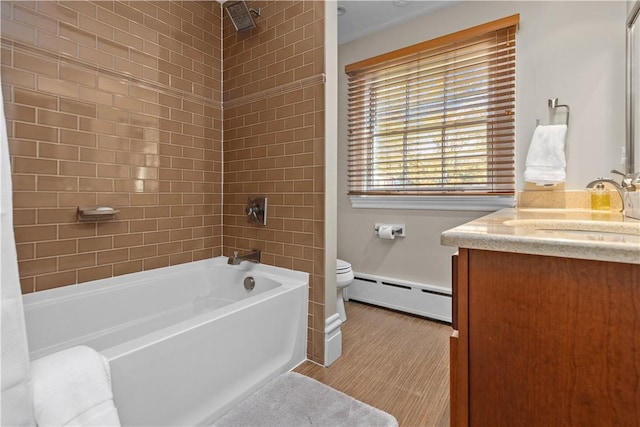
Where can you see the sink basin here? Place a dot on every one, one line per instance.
(613, 231)
(632, 228)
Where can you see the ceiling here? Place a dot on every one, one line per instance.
(364, 17)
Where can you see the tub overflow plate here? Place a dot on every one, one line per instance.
(249, 283)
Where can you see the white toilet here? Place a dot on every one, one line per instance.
(344, 277)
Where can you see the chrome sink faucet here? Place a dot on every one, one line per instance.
(253, 256)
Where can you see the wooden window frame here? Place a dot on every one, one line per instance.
(424, 48)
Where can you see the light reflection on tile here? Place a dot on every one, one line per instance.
(88, 130)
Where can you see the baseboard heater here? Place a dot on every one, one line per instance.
(411, 297)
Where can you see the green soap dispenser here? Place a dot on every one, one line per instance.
(600, 198)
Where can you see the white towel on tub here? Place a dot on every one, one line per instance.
(16, 407)
(546, 164)
(73, 388)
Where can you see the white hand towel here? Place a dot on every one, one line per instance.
(73, 388)
(546, 164)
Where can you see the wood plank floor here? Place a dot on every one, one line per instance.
(395, 362)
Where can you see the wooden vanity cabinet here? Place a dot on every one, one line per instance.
(544, 341)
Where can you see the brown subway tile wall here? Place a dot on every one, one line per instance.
(114, 103)
(119, 103)
(273, 142)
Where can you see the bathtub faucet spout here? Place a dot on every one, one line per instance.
(253, 256)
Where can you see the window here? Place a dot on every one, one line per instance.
(436, 118)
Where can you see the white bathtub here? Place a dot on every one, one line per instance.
(185, 343)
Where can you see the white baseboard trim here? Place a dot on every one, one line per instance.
(332, 339)
(411, 297)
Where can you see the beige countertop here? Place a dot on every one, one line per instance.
(575, 234)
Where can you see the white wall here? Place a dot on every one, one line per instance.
(570, 50)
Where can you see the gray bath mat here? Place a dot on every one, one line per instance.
(292, 399)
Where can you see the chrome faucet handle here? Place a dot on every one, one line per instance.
(618, 172)
(253, 211)
(627, 181)
(624, 176)
(632, 176)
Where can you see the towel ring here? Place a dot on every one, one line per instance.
(553, 103)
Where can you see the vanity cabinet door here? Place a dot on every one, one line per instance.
(552, 341)
(458, 355)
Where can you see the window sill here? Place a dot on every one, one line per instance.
(440, 203)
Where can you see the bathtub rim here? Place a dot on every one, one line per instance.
(108, 284)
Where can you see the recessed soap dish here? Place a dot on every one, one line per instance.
(96, 213)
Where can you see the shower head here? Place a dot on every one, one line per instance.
(240, 15)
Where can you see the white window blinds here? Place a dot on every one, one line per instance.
(436, 117)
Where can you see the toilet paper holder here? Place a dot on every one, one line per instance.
(398, 230)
